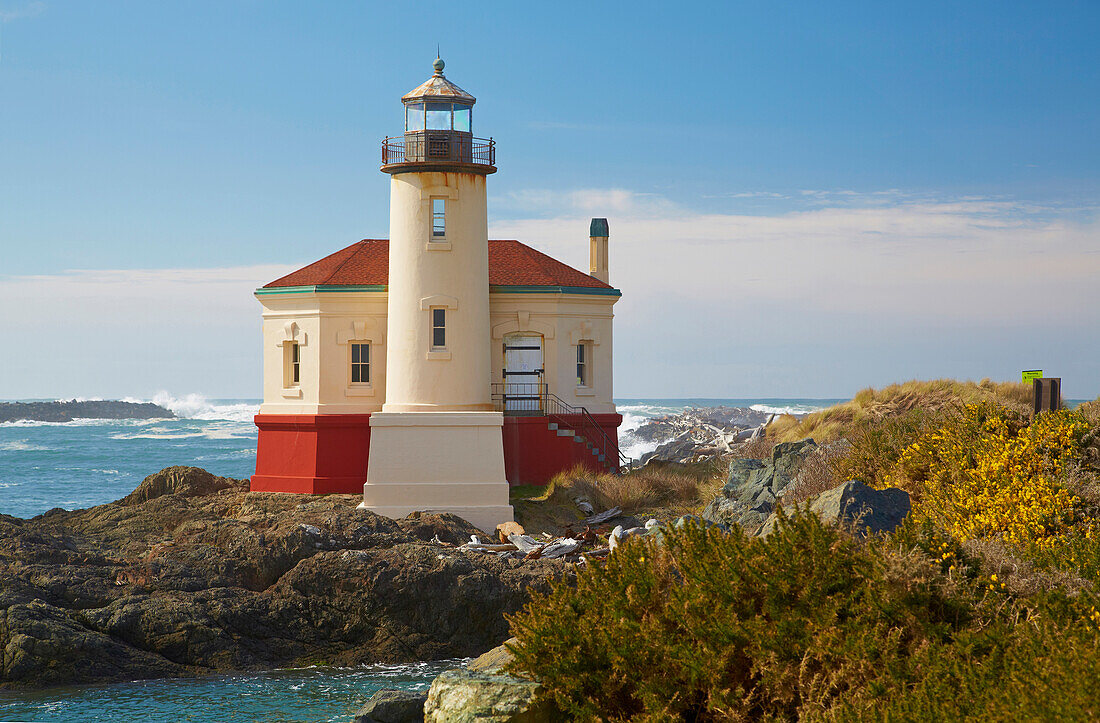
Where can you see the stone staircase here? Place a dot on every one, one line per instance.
(601, 458)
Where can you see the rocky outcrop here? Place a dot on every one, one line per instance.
(856, 506)
(193, 574)
(392, 706)
(753, 486)
(68, 411)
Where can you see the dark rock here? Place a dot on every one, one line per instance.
(753, 486)
(854, 504)
(192, 574)
(184, 481)
(393, 706)
(68, 411)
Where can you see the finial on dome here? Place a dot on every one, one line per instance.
(438, 65)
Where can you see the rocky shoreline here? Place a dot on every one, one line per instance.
(68, 411)
(696, 434)
(192, 574)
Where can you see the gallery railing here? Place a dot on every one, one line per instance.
(441, 146)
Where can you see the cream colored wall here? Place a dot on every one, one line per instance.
(424, 274)
(563, 320)
(323, 324)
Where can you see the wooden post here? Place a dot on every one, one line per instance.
(1046, 395)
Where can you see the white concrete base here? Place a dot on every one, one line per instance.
(438, 462)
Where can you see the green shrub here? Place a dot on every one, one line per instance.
(807, 624)
(727, 627)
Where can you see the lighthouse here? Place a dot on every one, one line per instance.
(431, 370)
(437, 442)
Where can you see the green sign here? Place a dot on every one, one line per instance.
(1032, 374)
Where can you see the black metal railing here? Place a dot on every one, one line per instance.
(535, 399)
(439, 146)
(520, 398)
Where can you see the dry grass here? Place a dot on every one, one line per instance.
(873, 405)
(664, 491)
(817, 473)
(1020, 576)
(1091, 411)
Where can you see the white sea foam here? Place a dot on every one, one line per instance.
(795, 409)
(22, 445)
(197, 406)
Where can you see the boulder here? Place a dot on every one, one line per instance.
(392, 706)
(463, 696)
(184, 481)
(494, 660)
(753, 485)
(856, 505)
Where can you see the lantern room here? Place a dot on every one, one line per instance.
(438, 130)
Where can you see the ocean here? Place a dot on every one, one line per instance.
(88, 462)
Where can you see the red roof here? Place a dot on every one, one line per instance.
(366, 263)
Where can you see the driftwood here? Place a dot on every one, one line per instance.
(524, 543)
(604, 516)
(561, 548)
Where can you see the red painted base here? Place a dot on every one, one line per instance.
(312, 453)
(327, 453)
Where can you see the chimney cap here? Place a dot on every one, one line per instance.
(598, 227)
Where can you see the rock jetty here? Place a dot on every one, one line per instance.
(698, 433)
(68, 411)
(193, 574)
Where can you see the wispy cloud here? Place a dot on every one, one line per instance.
(28, 10)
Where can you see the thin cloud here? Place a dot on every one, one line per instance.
(30, 10)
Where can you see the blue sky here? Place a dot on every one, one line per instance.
(805, 198)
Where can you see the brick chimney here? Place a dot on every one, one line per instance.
(597, 237)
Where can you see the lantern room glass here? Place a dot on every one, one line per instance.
(462, 117)
(435, 116)
(414, 117)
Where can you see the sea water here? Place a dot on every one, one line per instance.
(88, 462)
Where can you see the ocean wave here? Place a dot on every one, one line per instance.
(78, 422)
(5, 485)
(794, 409)
(22, 445)
(197, 406)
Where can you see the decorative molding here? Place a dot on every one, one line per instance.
(584, 332)
(585, 392)
(359, 390)
(446, 302)
(523, 322)
(430, 192)
(439, 356)
(362, 330)
(437, 246)
(292, 392)
(290, 332)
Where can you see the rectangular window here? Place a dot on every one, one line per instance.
(291, 364)
(439, 329)
(360, 362)
(439, 218)
(582, 364)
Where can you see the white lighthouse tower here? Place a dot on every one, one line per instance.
(436, 445)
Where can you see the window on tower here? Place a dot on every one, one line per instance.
(439, 329)
(439, 219)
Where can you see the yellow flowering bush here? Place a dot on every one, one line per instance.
(987, 472)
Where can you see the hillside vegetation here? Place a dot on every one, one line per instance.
(982, 606)
(873, 405)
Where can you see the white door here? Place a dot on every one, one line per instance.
(523, 372)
